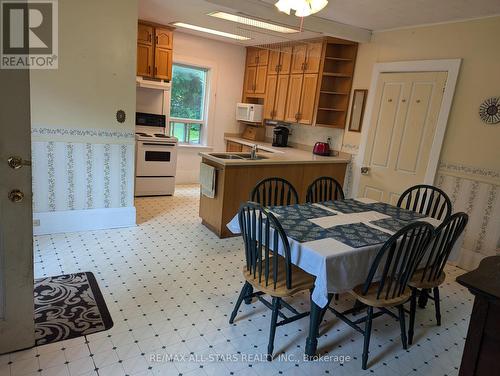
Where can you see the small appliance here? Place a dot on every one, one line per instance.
(249, 112)
(322, 148)
(280, 136)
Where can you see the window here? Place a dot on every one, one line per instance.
(188, 104)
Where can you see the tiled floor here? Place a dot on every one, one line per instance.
(170, 285)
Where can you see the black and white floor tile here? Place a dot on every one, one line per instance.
(170, 285)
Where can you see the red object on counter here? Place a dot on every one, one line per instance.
(321, 148)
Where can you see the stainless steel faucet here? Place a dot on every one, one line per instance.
(253, 153)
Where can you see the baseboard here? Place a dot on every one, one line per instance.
(83, 220)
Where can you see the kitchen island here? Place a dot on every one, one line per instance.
(236, 175)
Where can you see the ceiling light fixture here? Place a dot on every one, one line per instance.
(253, 22)
(302, 8)
(210, 31)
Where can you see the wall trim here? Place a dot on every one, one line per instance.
(470, 172)
(83, 220)
(452, 66)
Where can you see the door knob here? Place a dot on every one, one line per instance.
(17, 162)
(16, 195)
(365, 170)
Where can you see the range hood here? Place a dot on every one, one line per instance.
(151, 84)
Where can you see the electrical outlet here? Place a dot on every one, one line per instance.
(36, 222)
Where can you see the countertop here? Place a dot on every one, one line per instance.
(275, 155)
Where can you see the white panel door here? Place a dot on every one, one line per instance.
(402, 130)
(16, 221)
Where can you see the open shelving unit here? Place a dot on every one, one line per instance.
(336, 82)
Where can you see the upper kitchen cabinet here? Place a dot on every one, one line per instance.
(256, 72)
(145, 34)
(306, 57)
(279, 60)
(307, 82)
(257, 56)
(154, 51)
(164, 38)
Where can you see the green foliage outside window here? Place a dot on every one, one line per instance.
(188, 92)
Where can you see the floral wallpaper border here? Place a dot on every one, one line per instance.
(469, 170)
(77, 132)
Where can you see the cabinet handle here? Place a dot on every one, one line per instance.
(150, 37)
(149, 69)
(156, 70)
(156, 40)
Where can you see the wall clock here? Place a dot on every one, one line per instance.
(489, 110)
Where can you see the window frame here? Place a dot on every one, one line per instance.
(205, 130)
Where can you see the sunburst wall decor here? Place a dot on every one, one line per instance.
(489, 110)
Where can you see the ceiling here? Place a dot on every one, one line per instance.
(389, 14)
(349, 19)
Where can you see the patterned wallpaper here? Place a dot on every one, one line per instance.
(82, 175)
(473, 190)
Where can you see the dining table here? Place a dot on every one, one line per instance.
(337, 242)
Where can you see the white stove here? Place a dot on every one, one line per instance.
(155, 162)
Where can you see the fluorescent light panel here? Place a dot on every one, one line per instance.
(209, 31)
(253, 22)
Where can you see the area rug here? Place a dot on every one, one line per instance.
(69, 306)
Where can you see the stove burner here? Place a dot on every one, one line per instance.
(161, 135)
(143, 134)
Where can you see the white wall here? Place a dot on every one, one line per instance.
(228, 67)
(83, 159)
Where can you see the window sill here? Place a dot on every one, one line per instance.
(194, 147)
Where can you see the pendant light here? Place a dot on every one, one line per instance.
(302, 8)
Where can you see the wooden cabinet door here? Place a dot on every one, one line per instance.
(163, 63)
(293, 98)
(145, 34)
(233, 147)
(269, 108)
(281, 96)
(246, 148)
(144, 60)
(286, 60)
(298, 59)
(263, 56)
(252, 56)
(307, 98)
(313, 57)
(260, 79)
(274, 62)
(163, 38)
(250, 75)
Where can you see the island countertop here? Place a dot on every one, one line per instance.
(274, 155)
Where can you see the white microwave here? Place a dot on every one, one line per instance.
(249, 112)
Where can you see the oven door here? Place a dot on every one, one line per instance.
(156, 159)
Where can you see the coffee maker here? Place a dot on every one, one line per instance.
(280, 136)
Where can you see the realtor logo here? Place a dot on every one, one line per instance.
(29, 34)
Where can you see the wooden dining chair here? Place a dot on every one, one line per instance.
(426, 199)
(274, 192)
(324, 188)
(386, 285)
(266, 271)
(432, 274)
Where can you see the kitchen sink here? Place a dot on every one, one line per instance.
(245, 156)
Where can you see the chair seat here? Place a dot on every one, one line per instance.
(370, 298)
(300, 280)
(417, 282)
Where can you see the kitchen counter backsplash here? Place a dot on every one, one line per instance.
(308, 135)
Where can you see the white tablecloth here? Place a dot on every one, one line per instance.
(337, 267)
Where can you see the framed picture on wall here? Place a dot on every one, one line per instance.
(357, 109)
